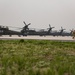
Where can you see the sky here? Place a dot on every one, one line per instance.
(40, 13)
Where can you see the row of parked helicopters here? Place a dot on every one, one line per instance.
(27, 31)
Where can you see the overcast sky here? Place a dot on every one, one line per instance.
(40, 13)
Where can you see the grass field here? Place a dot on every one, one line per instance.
(37, 57)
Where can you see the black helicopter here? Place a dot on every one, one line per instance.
(27, 31)
(46, 32)
(4, 30)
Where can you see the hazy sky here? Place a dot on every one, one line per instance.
(40, 13)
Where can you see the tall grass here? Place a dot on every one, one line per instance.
(37, 57)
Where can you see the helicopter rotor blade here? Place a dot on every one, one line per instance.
(61, 28)
(71, 30)
(10, 26)
(24, 22)
(53, 27)
(49, 25)
(29, 24)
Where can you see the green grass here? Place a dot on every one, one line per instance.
(37, 57)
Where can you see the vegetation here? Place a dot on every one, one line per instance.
(37, 57)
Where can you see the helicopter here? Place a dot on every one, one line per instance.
(4, 30)
(47, 32)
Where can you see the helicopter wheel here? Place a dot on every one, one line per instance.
(41, 35)
(19, 35)
(0, 35)
(24, 34)
(53, 35)
(10, 35)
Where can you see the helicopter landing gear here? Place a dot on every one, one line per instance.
(10, 35)
(19, 35)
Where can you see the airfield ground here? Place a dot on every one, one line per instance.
(60, 38)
